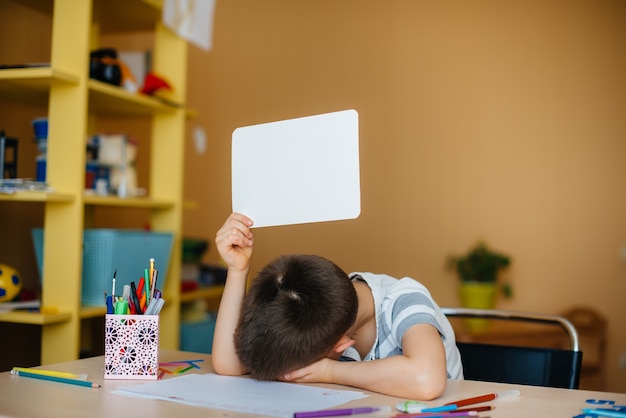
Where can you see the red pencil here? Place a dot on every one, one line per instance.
(484, 398)
(437, 414)
(141, 294)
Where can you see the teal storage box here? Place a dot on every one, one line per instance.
(197, 336)
(107, 250)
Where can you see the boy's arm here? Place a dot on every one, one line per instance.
(419, 373)
(234, 243)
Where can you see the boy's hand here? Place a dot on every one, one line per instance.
(234, 241)
(318, 372)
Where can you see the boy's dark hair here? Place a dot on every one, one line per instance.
(296, 310)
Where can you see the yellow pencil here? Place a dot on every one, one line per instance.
(149, 278)
(53, 373)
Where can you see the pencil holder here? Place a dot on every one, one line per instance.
(131, 347)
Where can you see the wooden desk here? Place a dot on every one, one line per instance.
(25, 397)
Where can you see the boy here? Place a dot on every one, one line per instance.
(303, 313)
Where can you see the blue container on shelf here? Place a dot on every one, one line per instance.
(108, 250)
(197, 336)
(40, 127)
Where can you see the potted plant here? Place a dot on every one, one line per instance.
(478, 271)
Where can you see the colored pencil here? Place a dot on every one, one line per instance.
(484, 398)
(58, 379)
(340, 412)
(435, 414)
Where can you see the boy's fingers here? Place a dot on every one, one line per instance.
(242, 218)
(233, 238)
(233, 226)
(237, 222)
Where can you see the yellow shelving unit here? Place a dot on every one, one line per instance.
(72, 98)
(211, 293)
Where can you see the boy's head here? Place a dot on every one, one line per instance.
(294, 313)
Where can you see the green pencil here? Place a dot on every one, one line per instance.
(58, 379)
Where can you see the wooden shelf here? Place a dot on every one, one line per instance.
(34, 318)
(25, 196)
(210, 292)
(106, 99)
(72, 100)
(190, 205)
(130, 202)
(35, 78)
(92, 311)
(32, 85)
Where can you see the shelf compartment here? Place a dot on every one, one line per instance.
(136, 15)
(106, 99)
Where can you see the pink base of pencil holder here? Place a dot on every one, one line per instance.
(131, 347)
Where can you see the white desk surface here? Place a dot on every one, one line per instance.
(26, 397)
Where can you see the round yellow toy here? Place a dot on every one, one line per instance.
(10, 283)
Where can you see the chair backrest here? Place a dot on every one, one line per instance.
(520, 365)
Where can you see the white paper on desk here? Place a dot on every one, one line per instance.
(298, 170)
(242, 394)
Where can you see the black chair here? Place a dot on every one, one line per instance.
(520, 365)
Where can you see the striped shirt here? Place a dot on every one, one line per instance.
(399, 304)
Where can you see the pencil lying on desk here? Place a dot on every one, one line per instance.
(49, 373)
(483, 398)
(58, 379)
(431, 414)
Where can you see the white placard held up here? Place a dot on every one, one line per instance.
(297, 171)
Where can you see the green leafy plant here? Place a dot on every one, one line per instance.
(481, 264)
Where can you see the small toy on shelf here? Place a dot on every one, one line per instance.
(10, 283)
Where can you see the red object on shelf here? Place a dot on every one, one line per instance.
(153, 83)
(188, 286)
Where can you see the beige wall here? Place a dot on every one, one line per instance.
(502, 121)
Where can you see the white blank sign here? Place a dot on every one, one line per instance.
(298, 170)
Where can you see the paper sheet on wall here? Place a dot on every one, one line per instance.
(191, 20)
(242, 394)
(298, 170)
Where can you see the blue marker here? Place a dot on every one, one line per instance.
(444, 408)
(109, 302)
(605, 412)
(414, 407)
